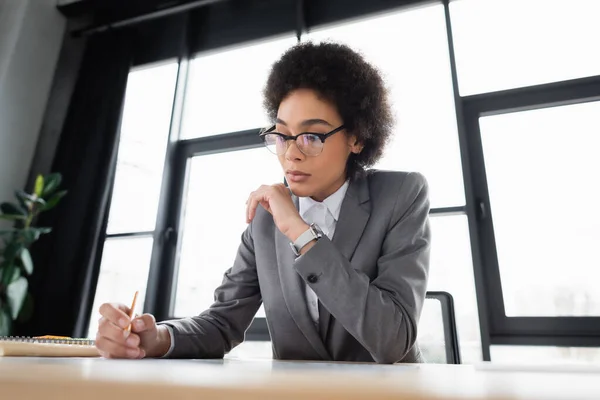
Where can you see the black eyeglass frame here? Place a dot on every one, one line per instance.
(321, 136)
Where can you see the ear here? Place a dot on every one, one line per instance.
(355, 146)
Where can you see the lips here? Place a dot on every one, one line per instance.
(297, 176)
(297, 173)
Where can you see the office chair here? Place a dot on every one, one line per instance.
(437, 337)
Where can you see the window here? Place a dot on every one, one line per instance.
(417, 72)
(224, 91)
(142, 147)
(124, 269)
(544, 355)
(451, 270)
(430, 334)
(541, 168)
(214, 220)
(134, 204)
(536, 166)
(224, 95)
(513, 43)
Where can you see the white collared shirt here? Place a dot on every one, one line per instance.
(325, 214)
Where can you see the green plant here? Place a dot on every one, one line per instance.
(15, 260)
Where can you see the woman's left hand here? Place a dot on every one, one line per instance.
(277, 200)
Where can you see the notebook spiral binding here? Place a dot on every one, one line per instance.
(28, 339)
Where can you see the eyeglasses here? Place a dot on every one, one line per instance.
(310, 144)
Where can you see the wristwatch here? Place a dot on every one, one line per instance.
(313, 232)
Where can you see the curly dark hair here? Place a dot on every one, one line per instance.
(341, 76)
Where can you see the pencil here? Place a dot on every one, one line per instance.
(132, 309)
(53, 337)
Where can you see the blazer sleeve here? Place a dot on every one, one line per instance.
(217, 330)
(381, 314)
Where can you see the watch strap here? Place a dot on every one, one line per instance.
(308, 236)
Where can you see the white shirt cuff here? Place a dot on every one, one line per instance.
(170, 329)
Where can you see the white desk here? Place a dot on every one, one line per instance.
(91, 379)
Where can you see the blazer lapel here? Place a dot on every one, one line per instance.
(352, 220)
(293, 292)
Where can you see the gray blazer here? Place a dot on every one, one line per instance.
(371, 280)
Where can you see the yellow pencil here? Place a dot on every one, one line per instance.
(132, 309)
(52, 337)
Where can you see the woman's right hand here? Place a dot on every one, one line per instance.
(145, 339)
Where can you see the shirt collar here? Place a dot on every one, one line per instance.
(333, 202)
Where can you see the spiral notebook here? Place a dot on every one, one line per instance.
(46, 346)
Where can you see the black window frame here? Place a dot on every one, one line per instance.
(573, 331)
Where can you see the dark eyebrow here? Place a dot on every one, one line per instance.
(307, 122)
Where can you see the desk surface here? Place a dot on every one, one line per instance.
(91, 379)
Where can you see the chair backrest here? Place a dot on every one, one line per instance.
(437, 337)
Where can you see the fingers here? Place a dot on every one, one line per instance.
(111, 349)
(143, 323)
(282, 187)
(251, 208)
(260, 196)
(116, 313)
(113, 340)
(263, 196)
(111, 331)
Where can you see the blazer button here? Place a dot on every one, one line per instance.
(312, 278)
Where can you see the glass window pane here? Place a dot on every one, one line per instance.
(431, 332)
(224, 91)
(543, 169)
(411, 50)
(212, 227)
(124, 269)
(451, 270)
(503, 44)
(544, 355)
(142, 148)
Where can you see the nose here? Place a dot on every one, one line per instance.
(292, 152)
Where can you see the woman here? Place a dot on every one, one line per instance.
(355, 295)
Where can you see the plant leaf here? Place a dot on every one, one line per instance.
(23, 198)
(16, 292)
(53, 201)
(41, 202)
(52, 182)
(15, 275)
(11, 251)
(39, 186)
(27, 199)
(12, 209)
(13, 217)
(16, 272)
(5, 320)
(27, 261)
(30, 235)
